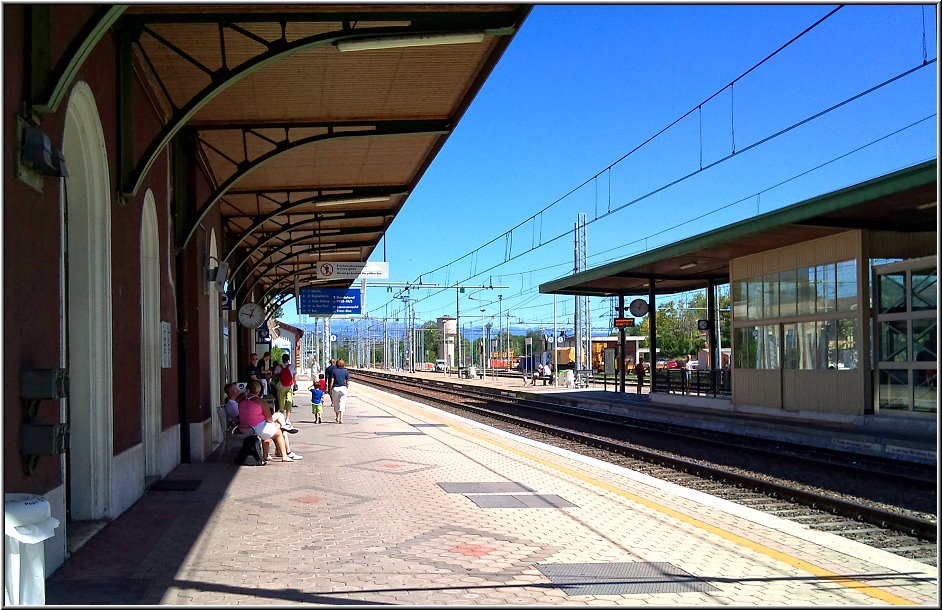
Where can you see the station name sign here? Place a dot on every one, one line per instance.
(329, 302)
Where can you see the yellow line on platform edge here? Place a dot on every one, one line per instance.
(800, 564)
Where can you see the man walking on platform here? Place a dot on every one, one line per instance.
(284, 373)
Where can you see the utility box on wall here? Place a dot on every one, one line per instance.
(44, 439)
(43, 384)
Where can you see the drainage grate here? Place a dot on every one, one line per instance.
(176, 485)
(622, 578)
(483, 488)
(518, 501)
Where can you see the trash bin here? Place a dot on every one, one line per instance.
(27, 521)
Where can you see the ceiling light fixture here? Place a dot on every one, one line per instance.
(324, 204)
(926, 206)
(416, 40)
(688, 265)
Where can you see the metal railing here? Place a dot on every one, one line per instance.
(714, 383)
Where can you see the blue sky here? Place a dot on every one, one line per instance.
(582, 86)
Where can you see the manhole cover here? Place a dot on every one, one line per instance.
(518, 501)
(483, 488)
(622, 578)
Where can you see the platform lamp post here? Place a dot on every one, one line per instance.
(500, 328)
(483, 361)
(488, 326)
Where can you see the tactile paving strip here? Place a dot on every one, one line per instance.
(622, 578)
(410, 433)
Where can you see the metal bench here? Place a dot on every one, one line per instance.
(231, 430)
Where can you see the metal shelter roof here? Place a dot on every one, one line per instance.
(310, 148)
(900, 201)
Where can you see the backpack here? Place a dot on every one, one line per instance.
(285, 378)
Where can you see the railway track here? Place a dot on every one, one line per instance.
(827, 491)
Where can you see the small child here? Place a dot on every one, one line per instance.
(316, 405)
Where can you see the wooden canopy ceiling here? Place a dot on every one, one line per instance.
(904, 201)
(310, 151)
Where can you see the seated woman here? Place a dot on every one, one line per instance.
(254, 413)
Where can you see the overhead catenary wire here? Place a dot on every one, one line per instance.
(539, 242)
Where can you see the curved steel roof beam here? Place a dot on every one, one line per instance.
(335, 246)
(251, 281)
(332, 248)
(223, 78)
(287, 145)
(278, 283)
(357, 193)
(299, 225)
(51, 87)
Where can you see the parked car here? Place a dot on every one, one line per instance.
(673, 364)
(440, 366)
(662, 363)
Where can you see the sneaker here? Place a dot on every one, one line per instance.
(294, 456)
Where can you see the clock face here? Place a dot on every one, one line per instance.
(638, 308)
(703, 325)
(251, 315)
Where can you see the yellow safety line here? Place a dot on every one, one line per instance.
(795, 562)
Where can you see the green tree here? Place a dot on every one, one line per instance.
(677, 332)
(433, 340)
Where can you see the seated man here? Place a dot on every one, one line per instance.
(254, 413)
(233, 397)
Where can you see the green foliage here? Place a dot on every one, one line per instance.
(677, 333)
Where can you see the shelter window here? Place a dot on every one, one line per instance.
(846, 288)
(757, 347)
(740, 300)
(788, 293)
(924, 295)
(907, 337)
(789, 298)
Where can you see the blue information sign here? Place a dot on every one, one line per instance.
(329, 302)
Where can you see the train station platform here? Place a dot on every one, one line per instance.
(890, 435)
(403, 504)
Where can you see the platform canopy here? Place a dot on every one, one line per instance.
(904, 201)
(312, 122)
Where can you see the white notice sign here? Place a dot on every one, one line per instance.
(165, 341)
(329, 270)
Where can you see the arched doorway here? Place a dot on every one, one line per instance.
(150, 339)
(87, 332)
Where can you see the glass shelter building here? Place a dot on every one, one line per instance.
(834, 300)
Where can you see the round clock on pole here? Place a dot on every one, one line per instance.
(638, 308)
(251, 315)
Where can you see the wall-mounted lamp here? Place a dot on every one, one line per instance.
(417, 40)
(218, 273)
(38, 153)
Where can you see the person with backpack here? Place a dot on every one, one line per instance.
(284, 373)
